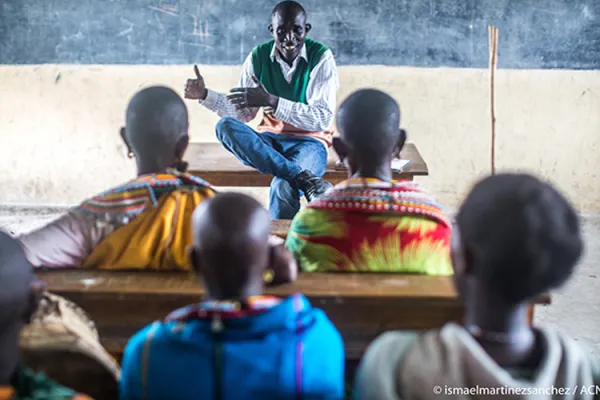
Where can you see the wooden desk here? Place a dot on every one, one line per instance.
(361, 305)
(281, 227)
(213, 163)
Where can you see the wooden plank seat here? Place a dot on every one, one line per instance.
(361, 305)
(281, 227)
(215, 164)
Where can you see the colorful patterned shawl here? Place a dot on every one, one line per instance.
(144, 223)
(371, 225)
(153, 215)
(225, 309)
(136, 196)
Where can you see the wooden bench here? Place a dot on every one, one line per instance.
(361, 305)
(213, 163)
(281, 227)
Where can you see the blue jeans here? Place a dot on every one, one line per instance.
(282, 156)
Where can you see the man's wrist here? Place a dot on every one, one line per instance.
(203, 95)
(273, 101)
(210, 101)
(283, 110)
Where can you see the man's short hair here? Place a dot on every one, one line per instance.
(156, 116)
(524, 236)
(369, 122)
(230, 230)
(288, 6)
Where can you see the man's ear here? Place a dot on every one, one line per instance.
(270, 28)
(181, 146)
(123, 134)
(282, 264)
(461, 254)
(340, 148)
(402, 138)
(399, 144)
(307, 28)
(195, 266)
(36, 293)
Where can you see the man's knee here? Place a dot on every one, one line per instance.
(226, 127)
(313, 158)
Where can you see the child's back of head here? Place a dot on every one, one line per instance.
(521, 237)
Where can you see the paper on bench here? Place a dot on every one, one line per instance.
(398, 164)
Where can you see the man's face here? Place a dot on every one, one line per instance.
(289, 30)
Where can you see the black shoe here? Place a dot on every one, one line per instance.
(311, 185)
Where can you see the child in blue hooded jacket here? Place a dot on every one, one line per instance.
(237, 344)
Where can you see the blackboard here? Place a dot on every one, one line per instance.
(425, 33)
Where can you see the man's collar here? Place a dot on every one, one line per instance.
(275, 54)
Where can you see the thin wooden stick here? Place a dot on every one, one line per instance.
(493, 43)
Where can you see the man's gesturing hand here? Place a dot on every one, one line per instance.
(195, 88)
(252, 97)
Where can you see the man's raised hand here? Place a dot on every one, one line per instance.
(195, 88)
(252, 97)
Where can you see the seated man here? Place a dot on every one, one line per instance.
(19, 296)
(515, 239)
(237, 343)
(370, 222)
(143, 223)
(294, 80)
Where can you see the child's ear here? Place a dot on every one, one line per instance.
(282, 264)
(123, 134)
(195, 268)
(400, 144)
(340, 148)
(402, 139)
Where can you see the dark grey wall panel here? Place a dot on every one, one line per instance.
(431, 33)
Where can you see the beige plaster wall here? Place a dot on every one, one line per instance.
(59, 125)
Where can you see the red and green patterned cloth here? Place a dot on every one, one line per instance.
(369, 225)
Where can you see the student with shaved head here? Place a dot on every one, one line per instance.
(20, 293)
(294, 80)
(141, 224)
(236, 343)
(371, 222)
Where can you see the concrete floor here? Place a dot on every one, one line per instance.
(575, 308)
